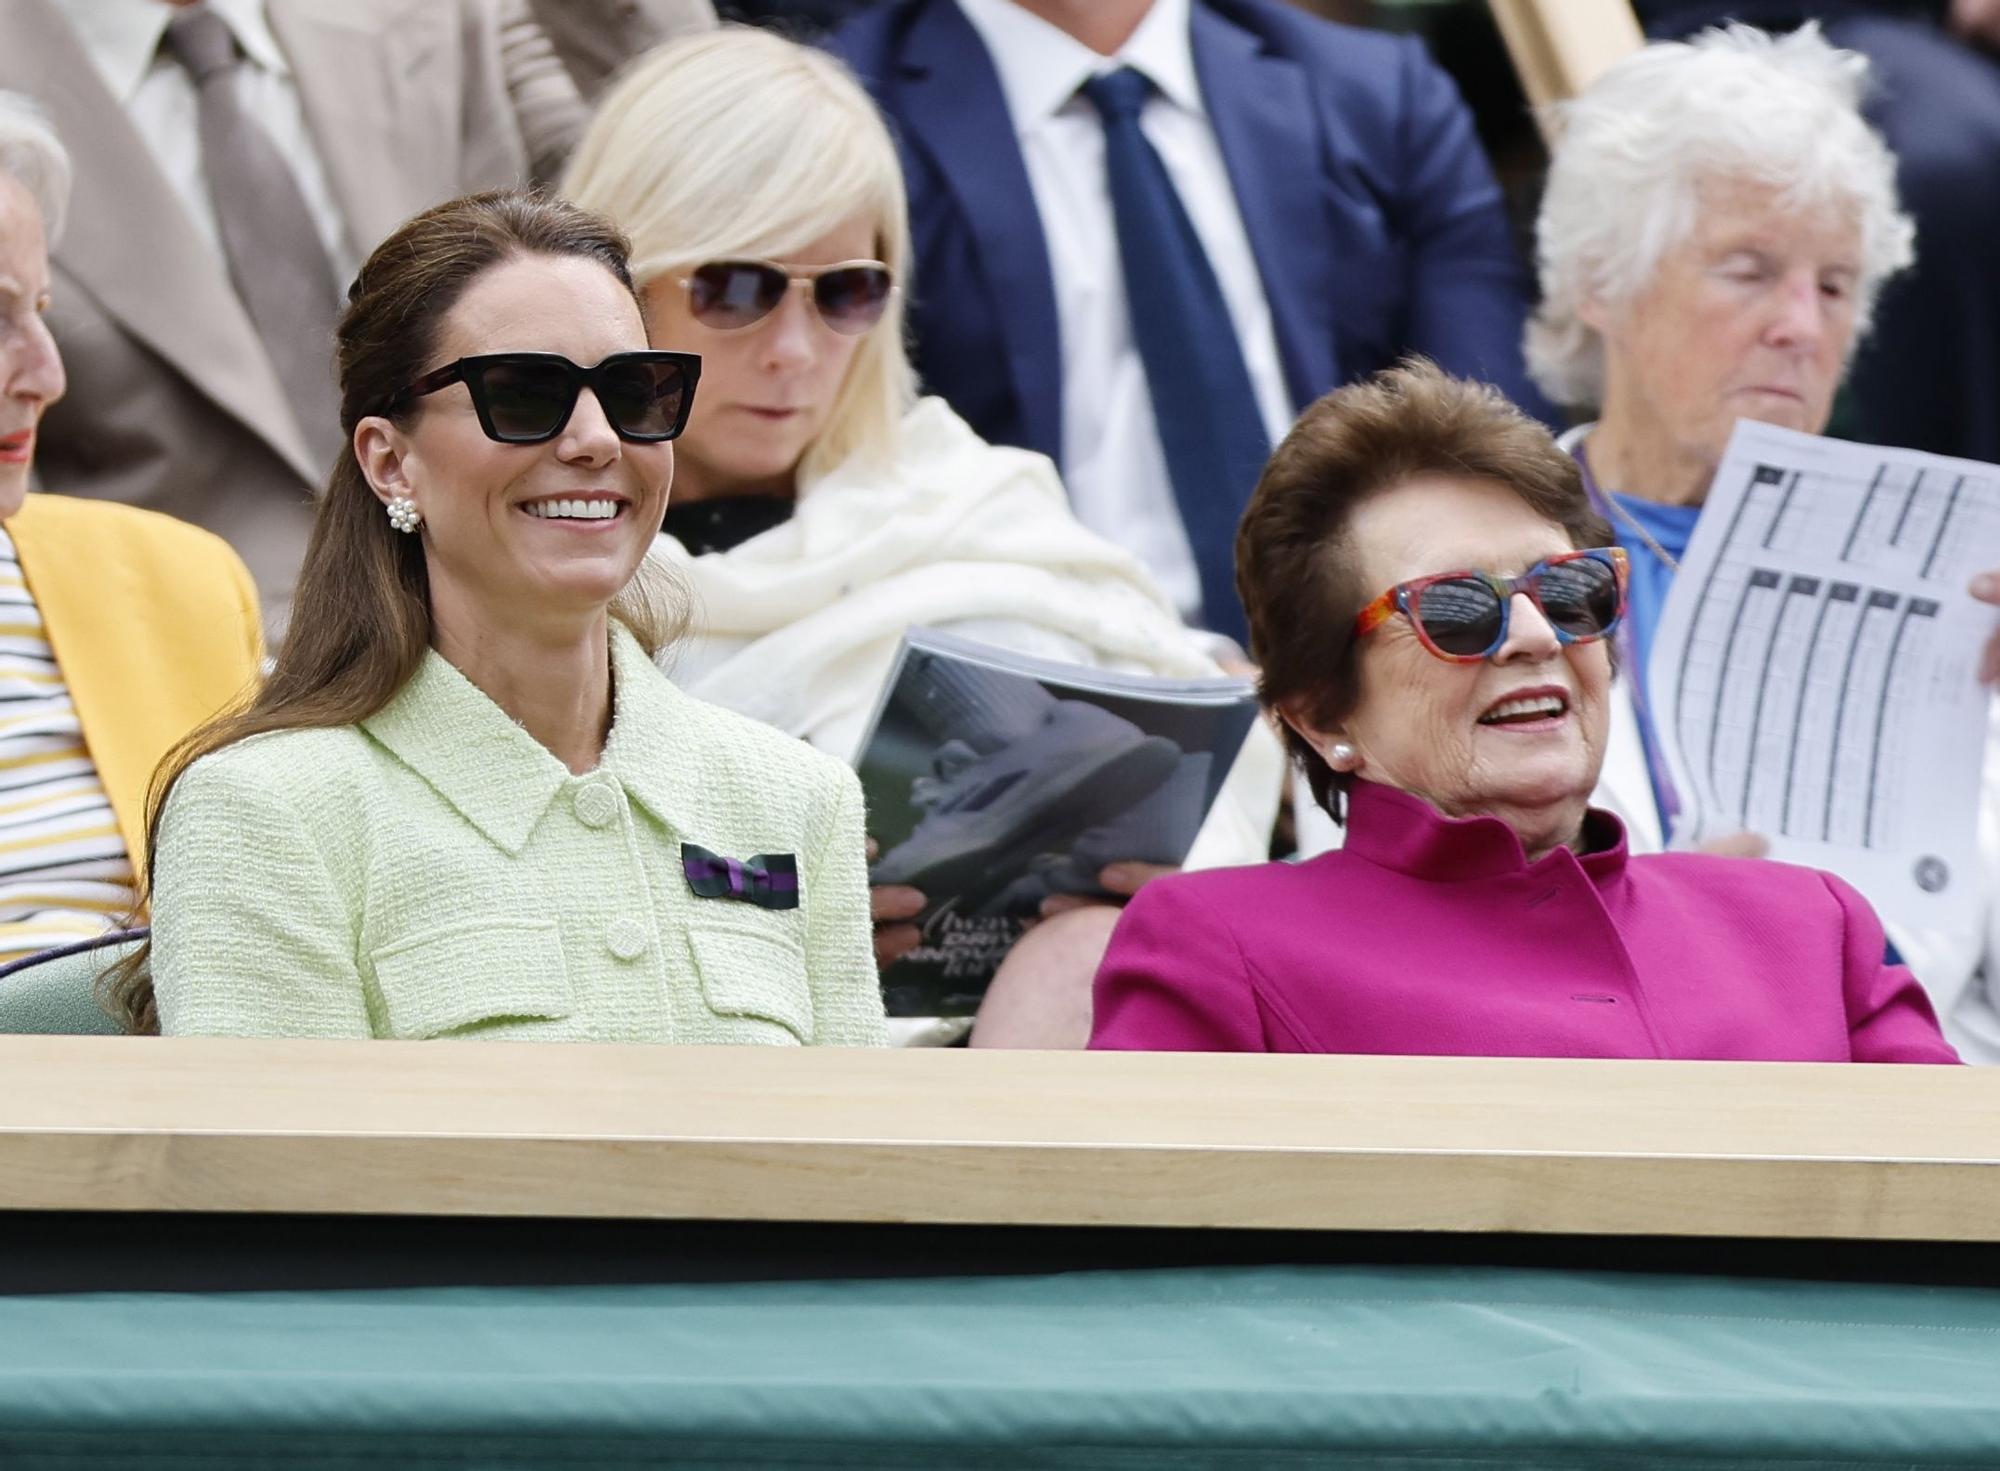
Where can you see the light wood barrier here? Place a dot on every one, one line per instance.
(1559, 47)
(1338, 1143)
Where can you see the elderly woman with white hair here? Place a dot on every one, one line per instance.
(1718, 222)
(820, 506)
(120, 630)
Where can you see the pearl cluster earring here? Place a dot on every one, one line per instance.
(403, 514)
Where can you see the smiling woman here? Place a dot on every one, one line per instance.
(1430, 596)
(466, 803)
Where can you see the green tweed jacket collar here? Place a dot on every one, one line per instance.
(502, 780)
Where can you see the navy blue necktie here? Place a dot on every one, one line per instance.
(1206, 410)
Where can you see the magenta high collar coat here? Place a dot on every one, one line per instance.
(1435, 935)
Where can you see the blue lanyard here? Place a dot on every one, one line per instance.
(1666, 800)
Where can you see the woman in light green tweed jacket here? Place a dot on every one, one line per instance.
(466, 803)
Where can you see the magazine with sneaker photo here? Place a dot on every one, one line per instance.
(996, 781)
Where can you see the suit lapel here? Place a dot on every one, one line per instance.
(180, 305)
(1258, 103)
(949, 94)
(372, 77)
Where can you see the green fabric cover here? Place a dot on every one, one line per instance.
(1440, 1368)
(59, 996)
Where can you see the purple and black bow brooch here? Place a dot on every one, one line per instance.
(770, 880)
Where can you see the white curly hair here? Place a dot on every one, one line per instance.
(32, 155)
(1635, 147)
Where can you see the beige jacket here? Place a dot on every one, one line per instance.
(172, 403)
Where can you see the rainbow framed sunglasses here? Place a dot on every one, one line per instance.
(1462, 617)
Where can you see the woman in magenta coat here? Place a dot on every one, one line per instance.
(1430, 596)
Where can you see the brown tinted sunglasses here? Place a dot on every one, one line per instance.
(727, 294)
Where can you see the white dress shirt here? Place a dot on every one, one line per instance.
(123, 39)
(1112, 460)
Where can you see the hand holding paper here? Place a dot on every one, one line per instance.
(1817, 670)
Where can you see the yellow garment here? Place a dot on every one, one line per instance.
(64, 872)
(155, 627)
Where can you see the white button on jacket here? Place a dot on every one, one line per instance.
(597, 803)
(626, 938)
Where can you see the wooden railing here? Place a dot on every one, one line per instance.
(1333, 1143)
(1559, 47)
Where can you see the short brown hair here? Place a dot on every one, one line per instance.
(1294, 566)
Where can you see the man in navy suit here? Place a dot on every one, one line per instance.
(1341, 213)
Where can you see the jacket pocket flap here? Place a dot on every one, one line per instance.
(475, 971)
(748, 973)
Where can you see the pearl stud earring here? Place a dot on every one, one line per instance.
(403, 514)
(1341, 752)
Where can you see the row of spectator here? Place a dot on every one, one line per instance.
(466, 801)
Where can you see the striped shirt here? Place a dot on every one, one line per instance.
(64, 871)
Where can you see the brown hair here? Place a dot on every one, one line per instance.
(361, 619)
(1295, 568)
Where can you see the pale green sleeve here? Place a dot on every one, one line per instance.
(840, 949)
(252, 936)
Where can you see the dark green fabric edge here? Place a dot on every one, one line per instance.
(1241, 1367)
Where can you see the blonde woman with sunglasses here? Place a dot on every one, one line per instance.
(821, 506)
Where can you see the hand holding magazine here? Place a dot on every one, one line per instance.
(996, 781)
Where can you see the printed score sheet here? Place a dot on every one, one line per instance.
(1815, 672)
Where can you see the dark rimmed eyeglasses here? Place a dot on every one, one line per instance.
(1463, 616)
(527, 397)
(727, 294)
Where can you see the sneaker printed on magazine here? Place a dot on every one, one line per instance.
(984, 819)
